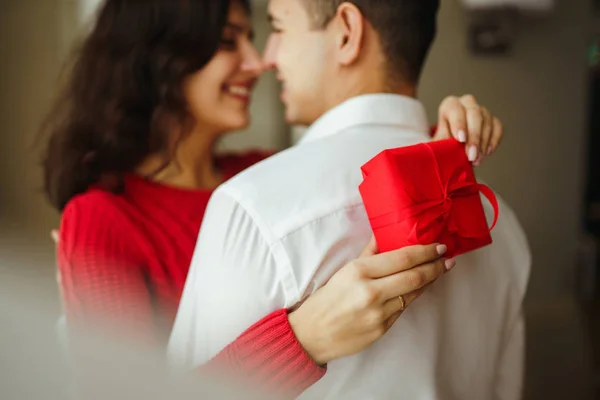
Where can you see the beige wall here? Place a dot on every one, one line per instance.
(29, 47)
(539, 92)
(30, 50)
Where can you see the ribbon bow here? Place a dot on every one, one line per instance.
(432, 218)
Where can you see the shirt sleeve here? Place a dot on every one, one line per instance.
(102, 279)
(237, 277)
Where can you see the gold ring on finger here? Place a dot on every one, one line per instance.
(403, 302)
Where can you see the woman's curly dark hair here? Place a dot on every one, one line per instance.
(125, 90)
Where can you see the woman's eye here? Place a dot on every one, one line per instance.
(228, 44)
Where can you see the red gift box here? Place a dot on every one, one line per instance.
(426, 194)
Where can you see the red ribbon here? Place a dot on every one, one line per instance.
(431, 218)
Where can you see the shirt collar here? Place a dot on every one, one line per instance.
(370, 109)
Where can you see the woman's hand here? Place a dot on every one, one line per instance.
(55, 235)
(468, 122)
(361, 302)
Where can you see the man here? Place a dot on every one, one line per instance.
(278, 231)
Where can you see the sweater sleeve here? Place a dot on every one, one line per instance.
(102, 277)
(269, 354)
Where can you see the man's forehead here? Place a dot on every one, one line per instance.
(285, 9)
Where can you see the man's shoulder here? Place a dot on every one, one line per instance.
(288, 189)
(261, 171)
(336, 154)
(311, 180)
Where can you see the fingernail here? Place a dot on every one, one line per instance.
(462, 136)
(472, 153)
(441, 249)
(449, 264)
(489, 150)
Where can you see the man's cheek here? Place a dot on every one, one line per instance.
(295, 51)
(283, 55)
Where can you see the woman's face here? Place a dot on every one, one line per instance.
(219, 94)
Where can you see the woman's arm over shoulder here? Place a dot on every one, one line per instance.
(269, 354)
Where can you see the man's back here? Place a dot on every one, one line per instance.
(278, 231)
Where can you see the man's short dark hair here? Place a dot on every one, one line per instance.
(406, 29)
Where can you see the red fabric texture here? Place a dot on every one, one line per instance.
(433, 130)
(123, 258)
(426, 194)
(268, 354)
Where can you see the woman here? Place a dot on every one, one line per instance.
(130, 164)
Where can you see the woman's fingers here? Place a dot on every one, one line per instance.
(392, 262)
(410, 280)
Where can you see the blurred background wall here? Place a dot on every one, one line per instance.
(539, 90)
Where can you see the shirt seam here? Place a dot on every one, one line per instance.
(322, 216)
(276, 249)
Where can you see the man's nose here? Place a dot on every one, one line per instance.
(269, 60)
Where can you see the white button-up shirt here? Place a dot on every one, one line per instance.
(278, 231)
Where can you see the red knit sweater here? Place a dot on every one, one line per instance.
(125, 257)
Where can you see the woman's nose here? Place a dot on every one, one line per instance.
(252, 62)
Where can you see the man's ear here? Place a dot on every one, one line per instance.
(350, 27)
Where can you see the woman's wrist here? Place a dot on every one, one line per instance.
(307, 335)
